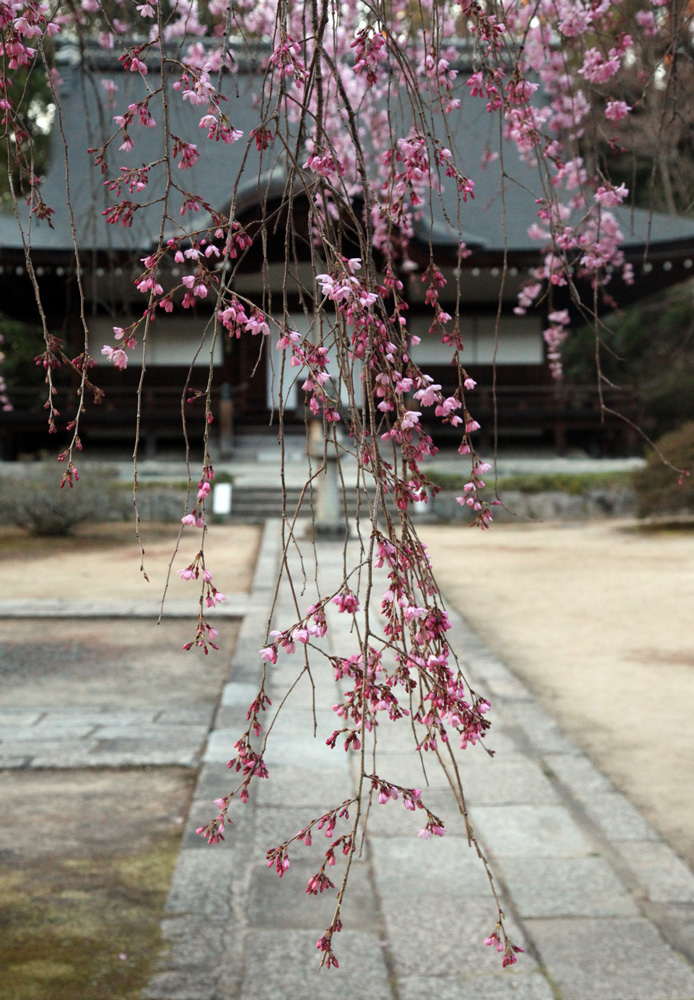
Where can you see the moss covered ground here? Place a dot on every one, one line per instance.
(83, 929)
(80, 908)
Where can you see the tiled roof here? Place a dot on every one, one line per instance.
(494, 219)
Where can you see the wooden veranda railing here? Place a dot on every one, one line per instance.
(557, 411)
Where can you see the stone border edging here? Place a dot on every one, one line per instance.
(202, 897)
(235, 607)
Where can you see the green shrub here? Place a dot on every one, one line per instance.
(573, 483)
(656, 486)
(31, 498)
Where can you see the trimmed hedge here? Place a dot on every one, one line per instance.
(31, 498)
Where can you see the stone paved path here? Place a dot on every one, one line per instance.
(602, 906)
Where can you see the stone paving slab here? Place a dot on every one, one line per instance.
(185, 717)
(195, 941)
(499, 781)
(663, 876)
(315, 789)
(183, 984)
(14, 761)
(94, 715)
(579, 774)
(109, 751)
(220, 746)
(579, 887)
(238, 693)
(41, 734)
(283, 904)
(529, 831)
(273, 826)
(20, 717)
(161, 734)
(64, 717)
(74, 760)
(446, 868)
(278, 968)
(212, 780)
(620, 959)
(508, 782)
(106, 740)
(618, 819)
(200, 813)
(200, 882)
(541, 732)
(519, 986)
(50, 748)
(444, 935)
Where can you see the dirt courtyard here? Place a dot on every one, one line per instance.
(596, 619)
(102, 562)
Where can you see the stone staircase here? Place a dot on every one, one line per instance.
(256, 503)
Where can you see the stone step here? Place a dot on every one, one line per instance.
(256, 504)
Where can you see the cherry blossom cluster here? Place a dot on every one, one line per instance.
(71, 474)
(499, 940)
(555, 335)
(287, 58)
(470, 496)
(202, 251)
(314, 360)
(394, 375)
(591, 247)
(197, 569)
(197, 516)
(312, 626)
(370, 53)
(210, 596)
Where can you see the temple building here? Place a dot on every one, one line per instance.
(503, 351)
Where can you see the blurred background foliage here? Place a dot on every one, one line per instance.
(648, 348)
